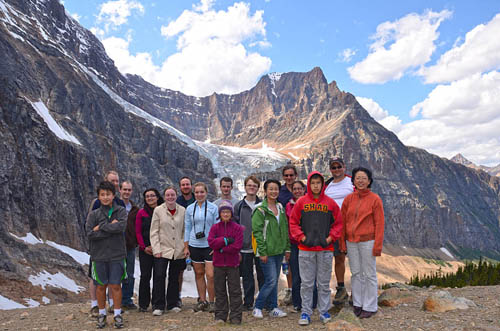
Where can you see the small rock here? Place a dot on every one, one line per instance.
(70, 317)
(341, 325)
(24, 315)
(347, 315)
(45, 328)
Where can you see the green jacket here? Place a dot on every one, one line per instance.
(272, 238)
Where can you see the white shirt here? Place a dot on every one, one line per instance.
(251, 204)
(338, 191)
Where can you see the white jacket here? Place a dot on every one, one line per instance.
(167, 232)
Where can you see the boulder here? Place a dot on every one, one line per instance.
(443, 301)
(393, 297)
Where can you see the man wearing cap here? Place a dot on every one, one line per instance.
(337, 188)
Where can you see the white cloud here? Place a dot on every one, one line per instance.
(411, 41)
(211, 55)
(479, 52)
(115, 13)
(390, 122)
(460, 117)
(346, 55)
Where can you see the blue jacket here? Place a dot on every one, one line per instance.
(199, 223)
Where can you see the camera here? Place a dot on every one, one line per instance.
(200, 235)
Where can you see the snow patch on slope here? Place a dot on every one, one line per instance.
(59, 280)
(447, 252)
(7, 304)
(58, 130)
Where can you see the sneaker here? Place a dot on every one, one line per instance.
(118, 321)
(129, 306)
(367, 314)
(175, 310)
(296, 309)
(143, 310)
(157, 312)
(357, 310)
(304, 319)
(257, 313)
(341, 296)
(179, 303)
(101, 321)
(94, 311)
(201, 306)
(287, 300)
(211, 307)
(325, 318)
(276, 312)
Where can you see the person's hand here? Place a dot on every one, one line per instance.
(303, 240)
(230, 240)
(96, 228)
(287, 256)
(263, 259)
(376, 252)
(114, 221)
(158, 255)
(148, 250)
(186, 252)
(328, 240)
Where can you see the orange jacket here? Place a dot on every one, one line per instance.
(363, 215)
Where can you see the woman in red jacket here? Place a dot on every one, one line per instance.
(363, 233)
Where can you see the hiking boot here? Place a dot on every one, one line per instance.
(367, 314)
(211, 307)
(287, 300)
(325, 318)
(357, 310)
(101, 321)
(143, 310)
(276, 312)
(341, 296)
(118, 321)
(305, 319)
(257, 313)
(129, 306)
(94, 312)
(201, 306)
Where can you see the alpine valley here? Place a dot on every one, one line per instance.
(67, 115)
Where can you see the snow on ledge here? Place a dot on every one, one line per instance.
(31, 303)
(59, 280)
(58, 130)
(447, 252)
(29, 238)
(7, 304)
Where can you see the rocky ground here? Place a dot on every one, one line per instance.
(408, 314)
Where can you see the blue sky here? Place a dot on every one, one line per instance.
(427, 70)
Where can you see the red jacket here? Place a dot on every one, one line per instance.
(316, 219)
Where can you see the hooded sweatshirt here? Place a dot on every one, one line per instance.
(316, 219)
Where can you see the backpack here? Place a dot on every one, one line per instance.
(254, 241)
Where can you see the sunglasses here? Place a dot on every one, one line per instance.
(335, 168)
(288, 175)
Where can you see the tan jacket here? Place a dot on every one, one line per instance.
(167, 232)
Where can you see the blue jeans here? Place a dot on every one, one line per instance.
(128, 284)
(268, 294)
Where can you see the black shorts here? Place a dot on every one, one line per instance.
(336, 249)
(113, 272)
(200, 255)
(90, 267)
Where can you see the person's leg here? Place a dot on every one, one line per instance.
(307, 266)
(116, 294)
(159, 275)
(221, 305)
(273, 300)
(260, 273)
(173, 283)
(101, 296)
(233, 285)
(340, 267)
(201, 285)
(323, 276)
(369, 269)
(128, 284)
(209, 272)
(246, 269)
(355, 266)
(294, 271)
(146, 263)
(269, 272)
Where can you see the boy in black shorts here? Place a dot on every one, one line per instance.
(105, 229)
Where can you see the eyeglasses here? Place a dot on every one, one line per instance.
(150, 196)
(288, 175)
(335, 168)
(254, 186)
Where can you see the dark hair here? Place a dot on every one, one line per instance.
(270, 181)
(299, 182)
(160, 199)
(106, 186)
(288, 167)
(253, 179)
(366, 171)
(185, 177)
(315, 176)
(226, 179)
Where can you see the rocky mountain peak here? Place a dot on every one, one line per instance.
(460, 159)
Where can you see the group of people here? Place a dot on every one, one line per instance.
(304, 227)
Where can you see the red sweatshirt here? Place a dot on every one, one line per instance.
(316, 219)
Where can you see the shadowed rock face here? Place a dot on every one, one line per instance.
(47, 183)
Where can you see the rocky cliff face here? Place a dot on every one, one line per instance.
(61, 130)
